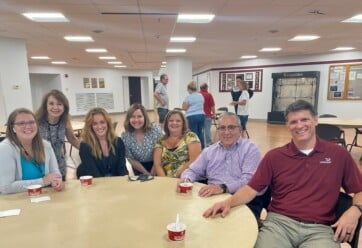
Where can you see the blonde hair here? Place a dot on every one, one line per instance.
(192, 86)
(89, 137)
(37, 142)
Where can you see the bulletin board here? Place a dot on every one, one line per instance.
(345, 82)
(227, 79)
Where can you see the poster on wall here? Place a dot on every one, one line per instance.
(101, 83)
(86, 83)
(227, 79)
(94, 83)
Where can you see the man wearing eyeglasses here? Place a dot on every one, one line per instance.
(228, 164)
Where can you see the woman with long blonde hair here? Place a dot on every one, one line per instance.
(102, 153)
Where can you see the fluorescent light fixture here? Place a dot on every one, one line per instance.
(304, 37)
(79, 38)
(270, 49)
(59, 62)
(107, 57)
(354, 19)
(248, 57)
(182, 39)
(40, 57)
(164, 62)
(175, 50)
(46, 17)
(120, 66)
(343, 49)
(163, 66)
(114, 62)
(195, 18)
(96, 50)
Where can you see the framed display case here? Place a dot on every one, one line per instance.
(345, 82)
(289, 87)
(227, 79)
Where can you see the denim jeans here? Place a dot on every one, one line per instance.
(207, 130)
(162, 114)
(196, 125)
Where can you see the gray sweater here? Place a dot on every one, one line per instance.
(10, 168)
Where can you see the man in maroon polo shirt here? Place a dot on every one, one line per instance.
(209, 109)
(305, 176)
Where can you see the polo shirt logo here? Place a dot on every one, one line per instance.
(326, 161)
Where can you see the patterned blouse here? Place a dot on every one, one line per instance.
(55, 134)
(172, 159)
(141, 152)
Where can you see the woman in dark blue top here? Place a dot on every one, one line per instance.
(102, 153)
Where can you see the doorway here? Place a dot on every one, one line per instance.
(134, 84)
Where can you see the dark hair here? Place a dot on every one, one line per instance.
(203, 86)
(127, 125)
(168, 116)
(298, 106)
(163, 76)
(42, 113)
(37, 142)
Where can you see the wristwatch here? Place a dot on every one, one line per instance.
(358, 206)
(224, 188)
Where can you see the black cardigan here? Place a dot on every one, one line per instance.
(93, 166)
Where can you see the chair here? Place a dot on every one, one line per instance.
(355, 139)
(345, 202)
(331, 133)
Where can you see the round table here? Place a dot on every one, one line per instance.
(116, 212)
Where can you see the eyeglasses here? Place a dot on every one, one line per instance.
(229, 128)
(24, 123)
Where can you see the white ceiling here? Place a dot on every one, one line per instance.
(140, 40)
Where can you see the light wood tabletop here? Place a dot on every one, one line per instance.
(115, 212)
(342, 122)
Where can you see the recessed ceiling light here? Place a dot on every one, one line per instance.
(182, 39)
(164, 62)
(248, 57)
(107, 57)
(114, 62)
(354, 19)
(343, 49)
(195, 18)
(270, 49)
(46, 17)
(96, 50)
(163, 66)
(304, 37)
(79, 38)
(175, 50)
(120, 66)
(59, 62)
(40, 57)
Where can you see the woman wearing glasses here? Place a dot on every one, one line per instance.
(54, 125)
(26, 158)
(177, 149)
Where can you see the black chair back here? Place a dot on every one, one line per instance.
(331, 133)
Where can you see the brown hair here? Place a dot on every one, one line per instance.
(37, 142)
(127, 125)
(89, 137)
(42, 113)
(167, 120)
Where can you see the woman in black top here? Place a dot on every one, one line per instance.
(102, 153)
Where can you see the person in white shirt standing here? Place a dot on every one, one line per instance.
(243, 105)
(161, 96)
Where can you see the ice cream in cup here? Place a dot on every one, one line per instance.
(176, 232)
(86, 180)
(34, 190)
(186, 187)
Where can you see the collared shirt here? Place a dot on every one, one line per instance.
(209, 102)
(162, 92)
(232, 166)
(306, 187)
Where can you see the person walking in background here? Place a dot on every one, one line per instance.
(161, 96)
(139, 137)
(102, 153)
(209, 110)
(25, 157)
(177, 149)
(243, 105)
(194, 106)
(306, 176)
(54, 125)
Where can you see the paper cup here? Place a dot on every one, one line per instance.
(186, 188)
(86, 180)
(34, 190)
(176, 234)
